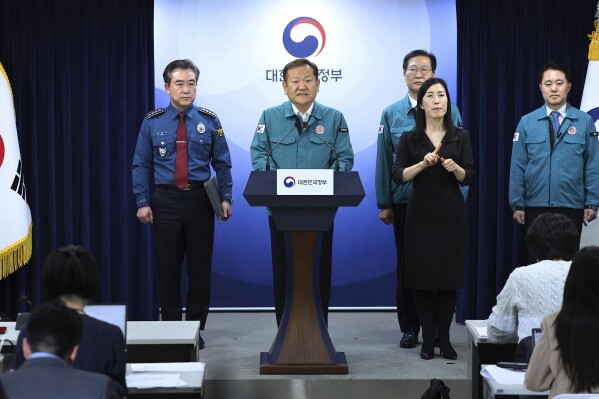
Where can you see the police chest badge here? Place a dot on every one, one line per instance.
(320, 129)
(162, 150)
(201, 128)
(572, 130)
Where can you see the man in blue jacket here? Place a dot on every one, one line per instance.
(392, 199)
(294, 135)
(175, 149)
(555, 163)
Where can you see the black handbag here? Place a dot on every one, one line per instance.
(437, 390)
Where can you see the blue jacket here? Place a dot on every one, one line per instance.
(156, 149)
(566, 175)
(277, 132)
(397, 119)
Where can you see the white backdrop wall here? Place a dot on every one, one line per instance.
(241, 48)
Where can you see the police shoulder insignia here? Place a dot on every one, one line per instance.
(156, 112)
(220, 133)
(207, 112)
(343, 129)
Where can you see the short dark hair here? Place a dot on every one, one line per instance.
(54, 328)
(555, 65)
(552, 236)
(577, 323)
(423, 53)
(167, 75)
(70, 270)
(299, 63)
(420, 117)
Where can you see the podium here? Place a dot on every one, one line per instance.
(303, 344)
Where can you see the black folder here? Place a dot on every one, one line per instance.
(211, 187)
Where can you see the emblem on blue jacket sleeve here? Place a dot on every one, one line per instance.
(381, 129)
(516, 136)
(220, 133)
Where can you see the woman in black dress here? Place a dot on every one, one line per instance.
(438, 158)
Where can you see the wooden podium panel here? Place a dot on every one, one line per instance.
(303, 344)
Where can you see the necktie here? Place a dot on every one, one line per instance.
(555, 120)
(181, 178)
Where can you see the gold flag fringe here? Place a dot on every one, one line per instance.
(16, 255)
(594, 45)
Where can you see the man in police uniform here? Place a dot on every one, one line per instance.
(392, 199)
(298, 129)
(177, 145)
(555, 160)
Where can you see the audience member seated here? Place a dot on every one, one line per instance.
(70, 275)
(50, 346)
(566, 358)
(532, 292)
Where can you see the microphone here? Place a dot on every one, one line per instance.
(25, 299)
(297, 126)
(23, 318)
(327, 143)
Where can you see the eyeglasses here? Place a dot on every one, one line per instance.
(423, 70)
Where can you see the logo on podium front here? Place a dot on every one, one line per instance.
(305, 182)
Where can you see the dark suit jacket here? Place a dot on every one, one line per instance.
(50, 378)
(101, 350)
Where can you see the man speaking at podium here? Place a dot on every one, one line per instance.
(301, 134)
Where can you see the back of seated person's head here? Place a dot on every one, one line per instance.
(70, 270)
(552, 236)
(577, 323)
(53, 328)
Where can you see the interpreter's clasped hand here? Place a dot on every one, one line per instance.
(449, 165)
(430, 159)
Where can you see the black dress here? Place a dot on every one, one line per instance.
(435, 231)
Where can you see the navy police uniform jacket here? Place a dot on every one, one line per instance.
(156, 150)
(565, 175)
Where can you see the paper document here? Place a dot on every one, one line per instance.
(154, 380)
(211, 187)
(166, 367)
(590, 234)
(482, 332)
(503, 376)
